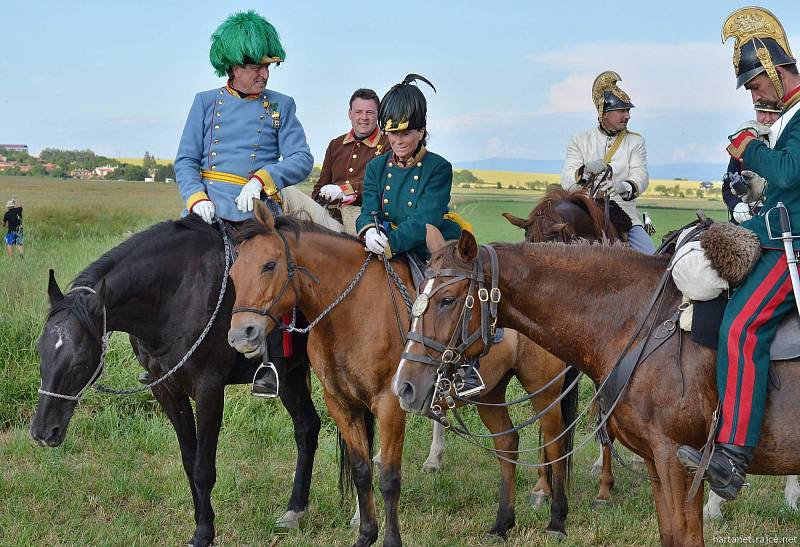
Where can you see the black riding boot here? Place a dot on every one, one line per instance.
(265, 381)
(726, 469)
(469, 382)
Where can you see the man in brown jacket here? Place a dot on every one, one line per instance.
(342, 177)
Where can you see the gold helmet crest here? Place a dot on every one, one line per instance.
(607, 96)
(760, 45)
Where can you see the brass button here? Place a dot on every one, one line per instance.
(255, 145)
(354, 156)
(261, 117)
(385, 201)
(213, 167)
(412, 190)
(210, 182)
(388, 187)
(409, 204)
(416, 177)
(213, 154)
(219, 114)
(219, 101)
(216, 141)
(347, 182)
(252, 156)
(386, 214)
(390, 164)
(258, 130)
(389, 176)
(419, 164)
(350, 170)
(216, 126)
(220, 92)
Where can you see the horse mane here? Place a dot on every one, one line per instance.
(77, 302)
(544, 217)
(291, 222)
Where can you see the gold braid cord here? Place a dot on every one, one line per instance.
(607, 81)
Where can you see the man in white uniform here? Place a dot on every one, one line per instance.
(609, 158)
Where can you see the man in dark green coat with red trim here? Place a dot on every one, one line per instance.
(765, 67)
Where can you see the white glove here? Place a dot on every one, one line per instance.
(618, 188)
(756, 127)
(331, 192)
(741, 213)
(376, 241)
(244, 201)
(206, 210)
(755, 186)
(595, 167)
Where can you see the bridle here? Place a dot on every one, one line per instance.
(452, 354)
(291, 268)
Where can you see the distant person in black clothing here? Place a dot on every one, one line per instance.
(736, 181)
(13, 219)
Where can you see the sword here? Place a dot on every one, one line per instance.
(791, 258)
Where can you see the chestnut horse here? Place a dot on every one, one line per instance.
(354, 349)
(582, 303)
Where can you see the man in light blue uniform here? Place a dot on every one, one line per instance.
(242, 141)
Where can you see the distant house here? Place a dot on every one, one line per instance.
(706, 185)
(103, 171)
(15, 147)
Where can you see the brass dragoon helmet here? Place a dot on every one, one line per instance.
(607, 96)
(760, 45)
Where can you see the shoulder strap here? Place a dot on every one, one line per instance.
(615, 145)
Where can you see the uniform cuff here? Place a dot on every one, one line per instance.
(363, 230)
(633, 193)
(387, 250)
(267, 183)
(347, 189)
(194, 199)
(739, 143)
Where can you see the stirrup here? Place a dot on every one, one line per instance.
(466, 391)
(266, 394)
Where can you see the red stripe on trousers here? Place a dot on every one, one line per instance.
(734, 335)
(748, 376)
(288, 349)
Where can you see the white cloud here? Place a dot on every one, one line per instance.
(686, 76)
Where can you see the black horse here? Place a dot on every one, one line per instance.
(161, 286)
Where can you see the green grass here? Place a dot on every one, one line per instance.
(118, 480)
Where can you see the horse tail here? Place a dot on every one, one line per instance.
(569, 411)
(345, 464)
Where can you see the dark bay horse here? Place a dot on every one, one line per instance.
(355, 349)
(582, 303)
(161, 286)
(566, 215)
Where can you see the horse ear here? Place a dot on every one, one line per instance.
(467, 247)
(53, 290)
(263, 214)
(516, 221)
(434, 238)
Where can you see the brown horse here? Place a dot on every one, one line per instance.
(566, 215)
(355, 349)
(582, 303)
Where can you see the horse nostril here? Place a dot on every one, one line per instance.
(55, 433)
(250, 333)
(406, 392)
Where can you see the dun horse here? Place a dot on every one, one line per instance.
(582, 303)
(354, 350)
(161, 286)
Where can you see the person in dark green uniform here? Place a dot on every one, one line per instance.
(765, 67)
(407, 188)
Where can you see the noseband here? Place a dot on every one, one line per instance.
(291, 268)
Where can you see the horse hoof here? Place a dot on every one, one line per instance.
(289, 521)
(537, 499)
(600, 504)
(429, 467)
(557, 535)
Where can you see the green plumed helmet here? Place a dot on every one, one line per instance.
(244, 38)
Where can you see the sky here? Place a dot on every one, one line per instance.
(513, 78)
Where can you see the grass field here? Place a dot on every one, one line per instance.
(118, 480)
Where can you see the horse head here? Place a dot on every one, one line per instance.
(264, 286)
(564, 216)
(445, 317)
(69, 349)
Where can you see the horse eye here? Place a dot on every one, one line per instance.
(448, 300)
(269, 266)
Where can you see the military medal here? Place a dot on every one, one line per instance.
(276, 119)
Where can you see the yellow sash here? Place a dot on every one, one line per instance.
(615, 145)
(224, 177)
